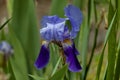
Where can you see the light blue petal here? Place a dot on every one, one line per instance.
(66, 34)
(75, 16)
(6, 48)
(47, 33)
(59, 31)
(53, 31)
(51, 19)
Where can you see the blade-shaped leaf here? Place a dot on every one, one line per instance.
(24, 24)
(57, 7)
(117, 69)
(55, 69)
(18, 60)
(60, 73)
(111, 42)
(37, 77)
(105, 42)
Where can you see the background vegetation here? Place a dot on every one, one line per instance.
(21, 30)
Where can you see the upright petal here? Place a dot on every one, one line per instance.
(43, 57)
(59, 31)
(71, 58)
(75, 16)
(66, 34)
(51, 19)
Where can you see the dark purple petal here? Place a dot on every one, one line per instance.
(75, 50)
(43, 57)
(75, 16)
(74, 64)
(71, 58)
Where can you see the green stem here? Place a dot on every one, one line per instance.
(92, 53)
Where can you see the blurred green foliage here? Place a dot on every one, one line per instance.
(23, 35)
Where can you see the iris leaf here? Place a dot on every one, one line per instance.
(111, 42)
(37, 77)
(57, 7)
(55, 69)
(18, 60)
(117, 70)
(60, 73)
(24, 24)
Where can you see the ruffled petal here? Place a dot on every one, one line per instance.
(59, 31)
(53, 31)
(51, 19)
(71, 58)
(66, 34)
(75, 16)
(47, 33)
(43, 57)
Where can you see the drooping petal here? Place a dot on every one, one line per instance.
(69, 42)
(71, 58)
(51, 19)
(53, 31)
(75, 16)
(75, 50)
(43, 57)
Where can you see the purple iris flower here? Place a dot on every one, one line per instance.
(55, 29)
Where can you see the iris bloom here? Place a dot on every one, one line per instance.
(54, 29)
(6, 48)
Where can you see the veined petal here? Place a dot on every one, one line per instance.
(53, 31)
(75, 16)
(59, 31)
(51, 19)
(46, 33)
(71, 58)
(43, 57)
(66, 34)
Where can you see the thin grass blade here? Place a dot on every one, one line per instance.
(117, 70)
(60, 73)
(111, 45)
(105, 42)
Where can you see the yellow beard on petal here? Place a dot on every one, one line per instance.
(67, 41)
